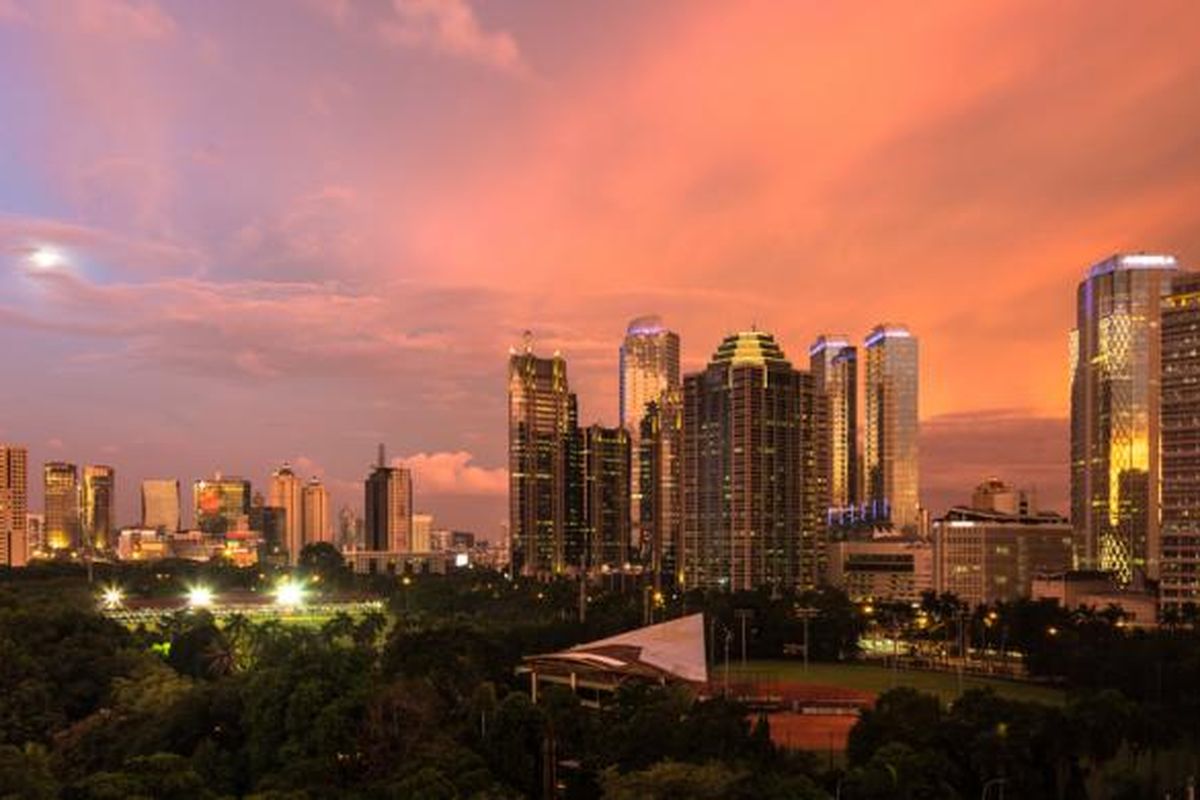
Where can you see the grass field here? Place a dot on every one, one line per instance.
(866, 678)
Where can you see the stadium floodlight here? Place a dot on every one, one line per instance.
(200, 597)
(289, 594)
(112, 598)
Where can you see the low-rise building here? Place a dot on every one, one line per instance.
(1097, 590)
(884, 567)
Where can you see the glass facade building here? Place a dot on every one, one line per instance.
(833, 362)
(649, 367)
(605, 456)
(1116, 367)
(61, 499)
(544, 501)
(315, 514)
(222, 504)
(660, 465)
(1179, 568)
(98, 506)
(754, 494)
(891, 427)
(14, 506)
(160, 505)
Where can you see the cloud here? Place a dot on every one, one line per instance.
(11, 11)
(451, 27)
(453, 473)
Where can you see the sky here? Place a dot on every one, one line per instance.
(233, 234)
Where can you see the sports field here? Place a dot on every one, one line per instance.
(876, 680)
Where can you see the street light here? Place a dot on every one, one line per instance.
(289, 594)
(112, 597)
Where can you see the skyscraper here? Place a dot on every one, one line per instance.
(661, 445)
(833, 362)
(1179, 568)
(14, 499)
(99, 506)
(160, 505)
(222, 504)
(543, 531)
(61, 499)
(891, 423)
(316, 513)
(649, 367)
(754, 498)
(605, 458)
(1116, 367)
(286, 491)
(389, 508)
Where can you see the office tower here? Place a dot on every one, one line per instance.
(160, 505)
(349, 529)
(315, 513)
(661, 444)
(991, 551)
(649, 368)
(891, 427)
(605, 457)
(98, 511)
(286, 491)
(422, 531)
(833, 362)
(1116, 367)
(270, 523)
(753, 497)
(61, 499)
(14, 501)
(542, 465)
(35, 535)
(222, 504)
(1179, 572)
(389, 509)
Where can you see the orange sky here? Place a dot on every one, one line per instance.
(304, 227)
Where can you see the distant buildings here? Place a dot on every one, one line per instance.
(315, 513)
(649, 369)
(61, 500)
(422, 533)
(14, 501)
(286, 492)
(98, 507)
(544, 529)
(389, 508)
(754, 496)
(660, 467)
(888, 567)
(160, 505)
(991, 551)
(891, 427)
(221, 504)
(605, 459)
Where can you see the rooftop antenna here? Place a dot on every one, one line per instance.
(527, 339)
(382, 456)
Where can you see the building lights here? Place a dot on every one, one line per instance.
(112, 598)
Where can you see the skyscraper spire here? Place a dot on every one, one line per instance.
(382, 456)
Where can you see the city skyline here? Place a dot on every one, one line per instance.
(353, 258)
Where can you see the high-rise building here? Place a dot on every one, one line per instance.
(35, 535)
(891, 427)
(14, 502)
(315, 513)
(754, 498)
(61, 499)
(222, 504)
(1179, 569)
(98, 495)
(349, 529)
(661, 445)
(605, 458)
(422, 532)
(160, 505)
(1116, 368)
(286, 491)
(389, 508)
(542, 463)
(833, 362)
(649, 368)
(270, 523)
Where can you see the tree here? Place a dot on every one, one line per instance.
(323, 559)
(25, 773)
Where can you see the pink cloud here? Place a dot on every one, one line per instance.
(451, 27)
(125, 19)
(11, 11)
(453, 473)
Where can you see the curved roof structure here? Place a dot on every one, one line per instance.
(757, 348)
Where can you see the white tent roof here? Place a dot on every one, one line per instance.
(675, 647)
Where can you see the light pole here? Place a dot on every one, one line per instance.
(805, 614)
(743, 614)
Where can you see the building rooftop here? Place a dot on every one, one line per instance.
(888, 330)
(750, 347)
(1130, 261)
(646, 326)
